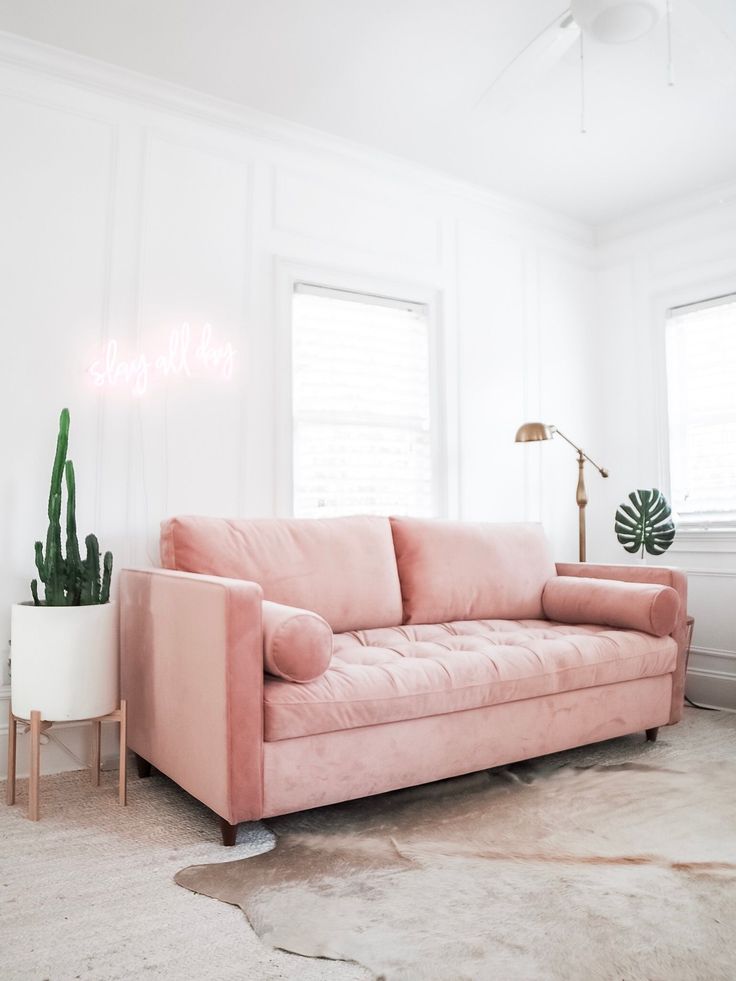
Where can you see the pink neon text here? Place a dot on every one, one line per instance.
(185, 355)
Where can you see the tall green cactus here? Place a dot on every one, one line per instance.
(68, 580)
(73, 560)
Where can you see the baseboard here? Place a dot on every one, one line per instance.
(712, 689)
(711, 678)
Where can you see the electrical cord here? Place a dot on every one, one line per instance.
(52, 737)
(48, 736)
(703, 708)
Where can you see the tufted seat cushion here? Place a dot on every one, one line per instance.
(395, 673)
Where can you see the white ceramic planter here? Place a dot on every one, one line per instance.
(64, 661)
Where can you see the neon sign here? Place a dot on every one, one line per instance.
(189, 354)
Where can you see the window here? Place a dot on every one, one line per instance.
(362, 427)
(701, 383)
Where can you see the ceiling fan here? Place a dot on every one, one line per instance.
(608, 21)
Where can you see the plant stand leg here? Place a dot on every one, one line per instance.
(229, 832)
(652, 734)
(123, 774)
(12, 744)
(96, 751)
(35, 766)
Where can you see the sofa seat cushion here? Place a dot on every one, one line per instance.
(409, 672)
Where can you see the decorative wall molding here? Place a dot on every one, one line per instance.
(518, 255)
(94, 75)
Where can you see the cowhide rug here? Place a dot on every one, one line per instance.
(616, 861)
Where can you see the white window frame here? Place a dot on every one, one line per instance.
(443, 453)
(694, 532)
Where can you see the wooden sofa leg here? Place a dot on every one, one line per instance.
(229, 832)
(652, 734)
(144, 767)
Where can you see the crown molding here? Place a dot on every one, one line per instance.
(106, 78)
(667, 213)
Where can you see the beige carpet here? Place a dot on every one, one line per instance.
(89, 892)
(611, 862)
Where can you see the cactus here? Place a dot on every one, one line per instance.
(68, 581)
(73, 561)
(106, 578)
(91, 577)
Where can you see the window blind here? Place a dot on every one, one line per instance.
(361, 405)
(701, 384)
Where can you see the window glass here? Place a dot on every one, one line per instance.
(361, 405)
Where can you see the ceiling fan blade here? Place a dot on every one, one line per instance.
(531, 63)
(721, 14)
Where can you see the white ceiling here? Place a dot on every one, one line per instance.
(405, 76)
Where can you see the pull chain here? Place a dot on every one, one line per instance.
(670, 62)
(583, 130)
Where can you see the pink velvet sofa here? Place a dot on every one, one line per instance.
(275, 665)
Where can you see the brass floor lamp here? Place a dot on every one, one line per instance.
(531, 432)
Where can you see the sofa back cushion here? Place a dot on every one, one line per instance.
(344, 569)
(454, 570)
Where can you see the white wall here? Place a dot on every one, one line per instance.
(667, 257)
(128, 207)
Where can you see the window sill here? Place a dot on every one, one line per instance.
(704, 538)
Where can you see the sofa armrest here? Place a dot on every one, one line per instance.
(664, 575)
(192, 674)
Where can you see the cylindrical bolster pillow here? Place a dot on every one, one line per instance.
(297, 644)
(648, 607)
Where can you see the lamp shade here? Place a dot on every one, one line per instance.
(617, 21)
(532, 431)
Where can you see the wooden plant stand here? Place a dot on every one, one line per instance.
(37, 727)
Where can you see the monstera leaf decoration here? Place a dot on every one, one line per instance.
(646, 523)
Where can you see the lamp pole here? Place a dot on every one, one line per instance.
(581, 497)
(533, 431)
